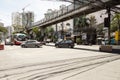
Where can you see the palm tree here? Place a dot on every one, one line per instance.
(115, 23)
(49, 32)
(92, 30)
(36, 31)
(81, 22)
(92, 21)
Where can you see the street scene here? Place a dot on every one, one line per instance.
(50, 63)
(60, 40)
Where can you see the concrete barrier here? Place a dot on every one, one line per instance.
(110, 48)
(1, 47)
(106, 48)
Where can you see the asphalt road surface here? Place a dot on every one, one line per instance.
(50, 63)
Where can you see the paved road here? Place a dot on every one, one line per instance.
(50, 63)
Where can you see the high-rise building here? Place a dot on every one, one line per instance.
(22, 21)
(27, 19)
(17, 22)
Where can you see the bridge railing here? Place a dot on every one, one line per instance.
(60, 12)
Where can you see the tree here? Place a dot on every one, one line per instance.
(3, 29)
(115, 23)
(49, 33)
(81, 22)
(37, 32)
(92, 21)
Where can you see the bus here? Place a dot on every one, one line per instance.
(19, 38)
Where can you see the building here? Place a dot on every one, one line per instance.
(21, 21)
(27, 19)
(17, 21)
(1, 24)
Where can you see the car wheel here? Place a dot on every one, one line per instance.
(69, 46)
(25, 46)
(57, 46)
(37, 46)
(100, 49)
(22, 46)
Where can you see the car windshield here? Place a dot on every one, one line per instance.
(68, 41)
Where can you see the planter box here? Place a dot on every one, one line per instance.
(1, 47)
(110, 48)
(105, 48)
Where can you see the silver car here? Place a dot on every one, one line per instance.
(31, 44)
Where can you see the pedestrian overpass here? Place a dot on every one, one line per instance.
(74, 10)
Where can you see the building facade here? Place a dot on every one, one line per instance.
(1, 24)
(27, 19)
(21, 21)
(17, 21)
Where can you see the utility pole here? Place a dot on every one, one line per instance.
(109, 17)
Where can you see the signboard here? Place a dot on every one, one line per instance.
(117, 35)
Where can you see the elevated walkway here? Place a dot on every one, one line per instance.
(72, 11)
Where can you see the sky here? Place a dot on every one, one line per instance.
(39, 7)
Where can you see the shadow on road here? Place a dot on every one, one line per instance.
(77, 48)
(86, 49)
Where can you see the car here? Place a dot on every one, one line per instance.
(8, 41)
(43, 42)
(65, 44)
(31, 43)
(48, 41)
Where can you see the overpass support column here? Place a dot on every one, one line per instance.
(62, 31)
(56, 26)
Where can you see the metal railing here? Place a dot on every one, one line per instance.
(71, 8)
(60, 12)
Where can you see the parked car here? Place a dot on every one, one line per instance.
(65, 44)
(8, 41)
(48, 41)
(31, 43)
(43, 42)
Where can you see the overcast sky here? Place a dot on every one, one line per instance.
(39, 7)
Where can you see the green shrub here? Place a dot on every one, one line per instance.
(78, 41)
